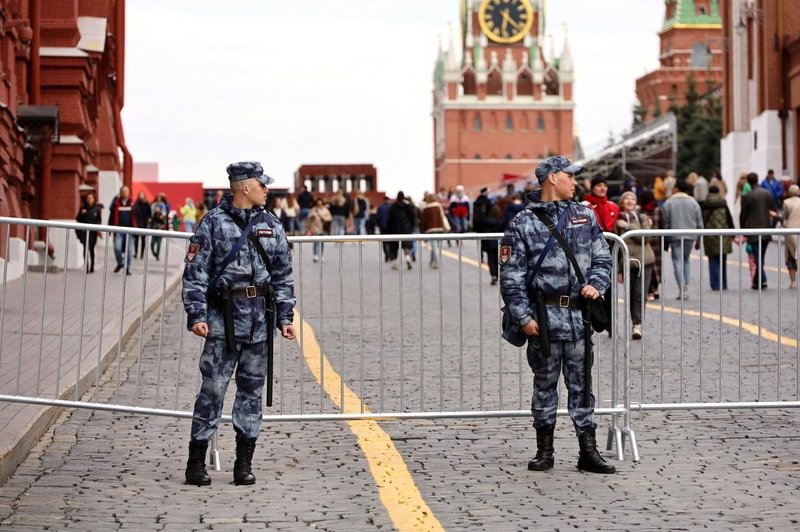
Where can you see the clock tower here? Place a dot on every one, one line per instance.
(505, 104)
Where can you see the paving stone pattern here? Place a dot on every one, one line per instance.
(699, 469)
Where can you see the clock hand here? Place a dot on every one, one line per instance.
(517, 26)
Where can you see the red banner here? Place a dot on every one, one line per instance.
(507, 178)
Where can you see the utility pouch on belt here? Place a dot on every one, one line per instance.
(541, 318)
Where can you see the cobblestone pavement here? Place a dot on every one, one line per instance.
(698, 469)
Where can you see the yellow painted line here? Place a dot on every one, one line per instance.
(752, 328)
(396, 487)
(465, 260)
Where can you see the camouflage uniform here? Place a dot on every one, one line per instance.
(215, 237)
(524, 240)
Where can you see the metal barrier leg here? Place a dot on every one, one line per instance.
(619, 440)
(634, 446)
(213, 454)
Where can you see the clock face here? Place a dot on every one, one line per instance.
(505, 21)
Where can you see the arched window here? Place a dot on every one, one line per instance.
(509, 122)
(476, 122)
(494, 85)
(540, 122)
(468, 83)
(525, 85)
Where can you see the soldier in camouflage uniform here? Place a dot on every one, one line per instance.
(227, 279)
(561, 293)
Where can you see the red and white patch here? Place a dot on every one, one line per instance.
(192, 252)
(505, 254)
(579, 220)
(263, 232)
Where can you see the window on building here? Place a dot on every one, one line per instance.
(494, 83)
(540, 122)
(509, 122)
(701, 55)
(509, 156)
(477, 155)
(476, 122)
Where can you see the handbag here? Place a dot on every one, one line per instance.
(594, 310)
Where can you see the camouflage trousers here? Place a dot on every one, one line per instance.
(544, 404)
(216, 367)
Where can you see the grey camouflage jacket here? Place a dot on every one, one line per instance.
(215, 236)
(524, 240)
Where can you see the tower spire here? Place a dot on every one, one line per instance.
(566, 66)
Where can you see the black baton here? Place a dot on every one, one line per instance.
(270, 343)
(588, 357)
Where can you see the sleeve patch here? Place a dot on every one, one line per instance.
(192, 252)
(505, 254)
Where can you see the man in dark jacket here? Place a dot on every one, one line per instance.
(121, 214)
(402, 221)
(141, 215)
(758, 211)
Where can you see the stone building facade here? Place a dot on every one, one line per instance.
(60, 103)
(761, 98)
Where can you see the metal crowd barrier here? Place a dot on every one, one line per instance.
(374, 342)
(725, 349)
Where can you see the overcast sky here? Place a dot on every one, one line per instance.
(338, 81)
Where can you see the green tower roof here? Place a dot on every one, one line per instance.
(685, 14)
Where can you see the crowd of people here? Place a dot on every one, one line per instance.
(143, 213)
(689, 202)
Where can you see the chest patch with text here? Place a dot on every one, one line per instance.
(578, 220)
(263, 232)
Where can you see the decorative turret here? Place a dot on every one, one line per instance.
(565, 65)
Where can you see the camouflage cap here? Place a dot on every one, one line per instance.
(248, 170)
(554, 164)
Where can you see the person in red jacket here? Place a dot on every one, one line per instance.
(605, 211)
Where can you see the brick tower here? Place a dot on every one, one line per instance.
(691, 45)
(503, 106)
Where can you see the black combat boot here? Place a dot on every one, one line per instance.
(242, 467)
(196, 473)
(544, 449)
(589, 459)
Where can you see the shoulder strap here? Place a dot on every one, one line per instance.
(247, 232)
(555, 233)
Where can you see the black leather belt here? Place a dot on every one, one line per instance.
(562, 301)
(217, 296)
(251, 291)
